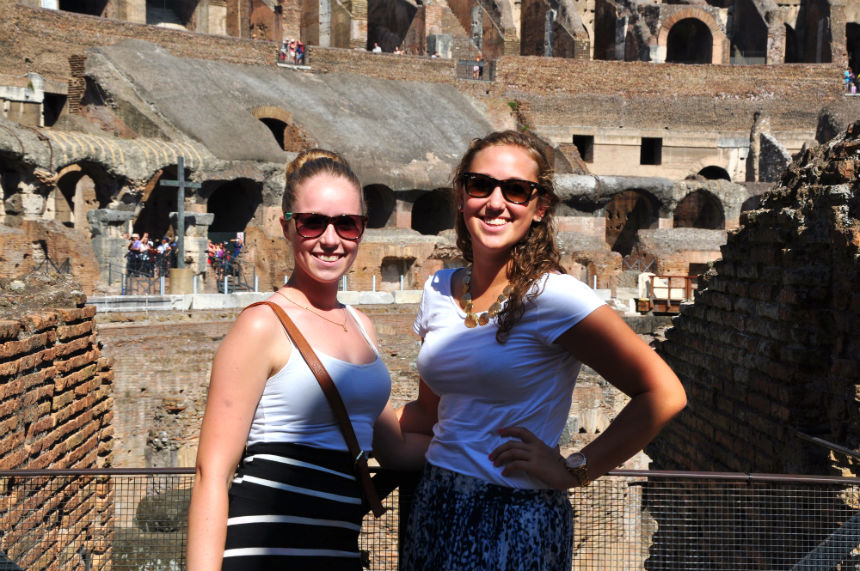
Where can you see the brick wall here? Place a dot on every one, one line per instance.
(25, 248)
(770, 348)
(42, 41)
(56, 411)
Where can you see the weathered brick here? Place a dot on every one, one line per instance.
(40, 320)
(9, 329)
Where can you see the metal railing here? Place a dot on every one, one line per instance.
(50, 265)
(628, 520)
(478, 70)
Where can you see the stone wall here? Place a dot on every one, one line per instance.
(56, 411)
(769, 352)
(36, 244)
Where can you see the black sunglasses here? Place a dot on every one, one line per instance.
(312, 225)
(514, 190)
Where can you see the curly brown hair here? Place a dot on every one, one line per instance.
(312, 162)
(533, 256)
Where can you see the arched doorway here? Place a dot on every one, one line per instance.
(816, 32)
(234, 204)
(852, 45)
(792, 47)
(158, 203)
(715, 173)
(91, 7)
(380, 205)
(626, 214)
(80, 188)
(173, 14)
(433, 212)
(700, 209)
(690, 41)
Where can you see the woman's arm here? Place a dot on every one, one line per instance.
(394, 448)
(239, 372)
(606, 343)
(421, 414)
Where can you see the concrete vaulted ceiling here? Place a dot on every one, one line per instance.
(398, 133)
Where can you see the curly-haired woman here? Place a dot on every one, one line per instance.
(503, 342)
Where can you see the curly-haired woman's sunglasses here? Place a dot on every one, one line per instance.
(514, 190)
(312, 225)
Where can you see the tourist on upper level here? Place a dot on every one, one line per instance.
(478, 68)
(300, 52)
(376, 49)
(295, 502)
(503, 342)
(291, 52)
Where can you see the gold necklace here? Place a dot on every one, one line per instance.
(473, 320)
(343, 325)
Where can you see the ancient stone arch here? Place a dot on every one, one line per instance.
(156, 204)
(433, 212)
(627, 213)
(712, 172)
(90, 7)
(180, 13)
(719, 40)
(700, 209)
(234, 204)
(276, 119)
(74, 194)
(380, 203)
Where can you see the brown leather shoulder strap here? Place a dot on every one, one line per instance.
(334, 400)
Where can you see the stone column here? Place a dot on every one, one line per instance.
(196, 239)
(107, 227)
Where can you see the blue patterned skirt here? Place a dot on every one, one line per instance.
(464, 523)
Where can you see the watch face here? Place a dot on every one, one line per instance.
(575, 460)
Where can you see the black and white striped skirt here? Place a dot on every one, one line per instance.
(294, 507)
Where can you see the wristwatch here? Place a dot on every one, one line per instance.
(577, 465)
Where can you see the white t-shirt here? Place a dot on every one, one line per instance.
(293, 407)
(484, 386)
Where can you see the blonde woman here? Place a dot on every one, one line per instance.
(294, 502)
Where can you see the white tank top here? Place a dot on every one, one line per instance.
(294, 409)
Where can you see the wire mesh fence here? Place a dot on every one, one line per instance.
(136, 520)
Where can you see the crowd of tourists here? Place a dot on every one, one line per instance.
(150, 257)
(222, 257)
(292, 51)
(851, 81)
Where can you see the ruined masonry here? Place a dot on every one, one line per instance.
(769, 352)
(56, 409)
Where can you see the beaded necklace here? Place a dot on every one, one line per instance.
(473, 320)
